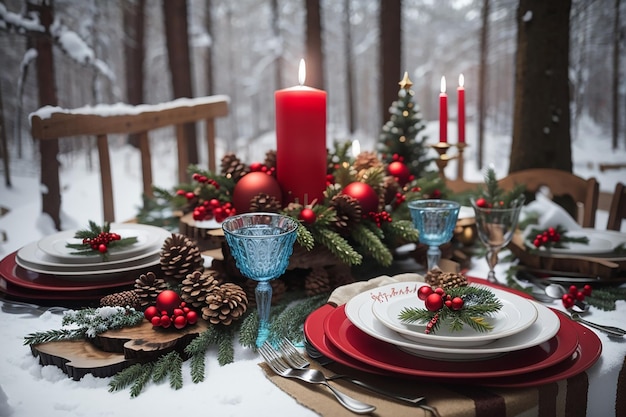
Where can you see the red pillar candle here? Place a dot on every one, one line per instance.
(443, 112)
(301, 142)
(461, 108)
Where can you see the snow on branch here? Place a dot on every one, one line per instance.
(21, 24)
(77, 49)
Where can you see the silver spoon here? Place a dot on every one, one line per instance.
(610, 330)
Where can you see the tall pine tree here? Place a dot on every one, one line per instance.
(400, 135)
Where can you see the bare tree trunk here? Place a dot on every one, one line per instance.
(177, 39)
(208, 60)
(278, 69)
(314, 54)
(482, 82)
(349, 69)
(134, 54)
(616, 39)
(4, 151)
(541, 116)
(49, 148)
(390, 52)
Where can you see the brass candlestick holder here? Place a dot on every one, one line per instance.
(442, 149)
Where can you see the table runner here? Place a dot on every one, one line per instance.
(563, 398)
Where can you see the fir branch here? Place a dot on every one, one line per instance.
(137, 376)
(176, 371)
(225, 349)
(304, 237)
(248, 330)
(478, 302)
(605, 298)
(402, 229)
(339, 247)
(202, 342)
(53, 336)
(374, 246)
(288, 324)
(163, 366)
(197, 367)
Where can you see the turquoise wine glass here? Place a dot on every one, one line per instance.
(261, 244)
(435, 221)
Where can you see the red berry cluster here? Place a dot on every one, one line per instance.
(399, 198)
(202, 179)
(574, 295)
(259, 167)
(550, 235)
(213, 209)
(381, 217)
(180, 317)
(101, 242)
(434, 300)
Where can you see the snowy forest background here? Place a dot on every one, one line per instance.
(248, 43)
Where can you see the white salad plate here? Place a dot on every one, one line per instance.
(601, 243)
(149, 239)
(516, 315)
(359, 312)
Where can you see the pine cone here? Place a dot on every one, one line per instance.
(317, 282)
(437, 278)
(147, 287)
(225, 304)
(348, 211)
(270, 159)
(265, 203)
(196, 286)
(121, 299)
(366, 160)
(180, 256)
(232, 167)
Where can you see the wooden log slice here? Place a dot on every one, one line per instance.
(114, 350)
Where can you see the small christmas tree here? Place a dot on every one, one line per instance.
(399, 138)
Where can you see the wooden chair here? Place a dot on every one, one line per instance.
(106, 120)
(583, 192)
(617, 210)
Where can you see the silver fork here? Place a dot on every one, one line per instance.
(274, 361)
(297, 360)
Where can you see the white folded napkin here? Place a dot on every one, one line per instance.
(550, 214)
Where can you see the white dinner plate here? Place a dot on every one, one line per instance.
(601, 243)
(516, 315)
(112, 271)
(359, 312)
(148, 238)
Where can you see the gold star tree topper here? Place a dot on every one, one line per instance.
(406, 82)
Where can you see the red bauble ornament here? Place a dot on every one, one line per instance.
(364, 194)
(150, 312)
(424, 291)
(481, 202)
(180, 322)
(400, 171)
(433, 302)
(251, 185)
(307, 215)
(457, 303)
(167, 301)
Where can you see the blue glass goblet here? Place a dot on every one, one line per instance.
(261, 244)
(435, 221)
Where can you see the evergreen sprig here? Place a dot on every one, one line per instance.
(368, 239)
(497, 197)
(604, 298)
(136, 376)
(478, 303)
(338, 246)
(94, 232)
(88, 322)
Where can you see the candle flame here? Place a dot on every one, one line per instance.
(301, 72)
(443, 84)
(461, 80)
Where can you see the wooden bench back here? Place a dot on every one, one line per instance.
(584, 192)
(104, 120)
